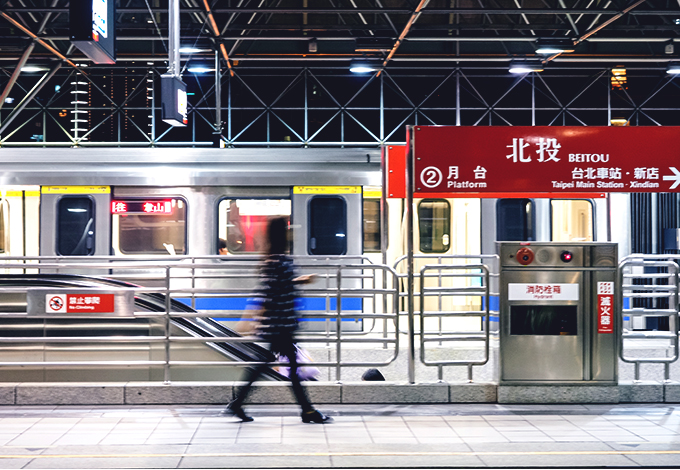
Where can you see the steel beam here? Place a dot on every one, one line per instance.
(29, 97)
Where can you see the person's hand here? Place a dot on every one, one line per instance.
(305, 279)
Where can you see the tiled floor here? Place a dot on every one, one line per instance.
(362, 436)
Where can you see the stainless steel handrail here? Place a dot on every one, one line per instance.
(668, 292)
(176, 277)
(441, 291)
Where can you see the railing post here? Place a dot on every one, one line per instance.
(338, 324)
(166, 367)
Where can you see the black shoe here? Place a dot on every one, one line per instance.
(239, 413)
(315, 416)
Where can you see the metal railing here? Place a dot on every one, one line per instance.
(649, 288)
(480, 267)
(467, 273)
(193, 280)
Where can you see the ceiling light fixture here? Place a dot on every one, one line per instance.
(363, 66)
(200, 69)
(191, 50)
(554, 46)
(34, 68)
(619, 122)
(619, 78)
(525, 66)
(673, 68)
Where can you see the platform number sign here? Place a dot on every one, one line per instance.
(605, 307)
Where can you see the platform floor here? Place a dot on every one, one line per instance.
(384, 436)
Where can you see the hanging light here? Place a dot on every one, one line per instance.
(554, 45)
(200, 68)
(363, 66)
(673, 68)
(525, 66)
(191, 50)
(34, 68)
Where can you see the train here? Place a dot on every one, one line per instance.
(126, 202)
(212, 204)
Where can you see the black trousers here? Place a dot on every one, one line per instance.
(284, 347)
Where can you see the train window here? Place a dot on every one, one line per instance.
(327, 226)
(372, 225)
(572, 220)
(515, 220)
(4, 229)
(152, 226)
(434, 225)
(242, 223)
(75, 226)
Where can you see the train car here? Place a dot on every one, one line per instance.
(150, 203)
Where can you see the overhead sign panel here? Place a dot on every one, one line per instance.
(545, 159)
(92, 26)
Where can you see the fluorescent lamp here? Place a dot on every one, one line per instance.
(200, 69)
(554, 46)
(34, 68)
(191, 50)
(363, 66)
(673, 69)
(525, 66)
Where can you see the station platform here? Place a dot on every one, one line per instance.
(361, 436)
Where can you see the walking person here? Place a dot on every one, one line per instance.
(278, 321)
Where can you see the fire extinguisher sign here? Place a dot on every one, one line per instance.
(605, 307)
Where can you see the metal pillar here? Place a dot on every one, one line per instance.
(173, 39)
(409, 251)
(218, 98)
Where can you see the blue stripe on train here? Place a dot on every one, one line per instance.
(303, 304)
(494, 306)
(243, 303)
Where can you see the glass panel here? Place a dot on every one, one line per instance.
(327, 226)
(434, 225)
(543, 320)
(372, 225)
(75, 226)
(4, 216)
(572, 220)
(161, 230)
(515, 220)
(242, 223)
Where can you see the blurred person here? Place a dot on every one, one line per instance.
(222, 247)
(278, 321)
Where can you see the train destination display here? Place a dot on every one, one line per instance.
(545, 159)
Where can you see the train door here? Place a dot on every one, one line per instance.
(372, 226)
(19, 224)
(75, 221)
(572, 220)
(333, 218)
(327, 223)
(446, 227)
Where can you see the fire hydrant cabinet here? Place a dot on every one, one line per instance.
(557, 321)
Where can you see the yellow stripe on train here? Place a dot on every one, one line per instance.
(326, 189)
(75, 190)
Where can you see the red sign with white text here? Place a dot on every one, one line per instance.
(605, 307)
(79, 303)
(546, 159)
